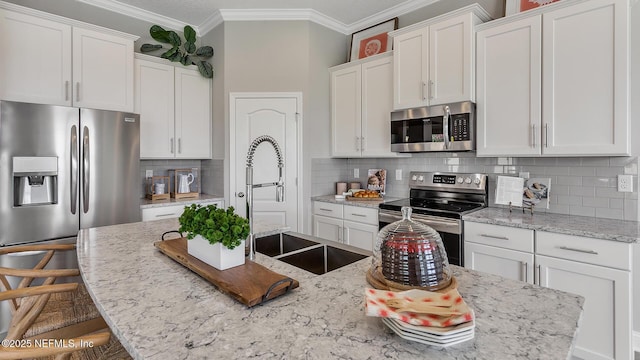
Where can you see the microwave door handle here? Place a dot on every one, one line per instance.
(445, 126)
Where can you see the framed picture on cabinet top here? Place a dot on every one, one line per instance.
(372, 40)
(515, 6)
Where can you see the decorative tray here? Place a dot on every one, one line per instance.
(250, 284)
(378, 281)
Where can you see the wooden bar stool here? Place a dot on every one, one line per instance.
(55, 321)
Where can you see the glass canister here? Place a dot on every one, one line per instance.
(411, 253)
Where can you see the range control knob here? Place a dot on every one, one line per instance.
(476, 181)
(467, 181)
(420, 178)
(460, 180)
(414, 178)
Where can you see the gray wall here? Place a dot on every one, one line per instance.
(284, 56)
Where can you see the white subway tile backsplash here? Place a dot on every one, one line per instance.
(569, 180)
(595, 202)
(599, 181)
(582, 211)
(581, 190)
(579, 186)
(582, 171)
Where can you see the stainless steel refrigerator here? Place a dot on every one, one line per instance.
(63, 169)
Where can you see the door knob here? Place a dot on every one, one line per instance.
(241, 194)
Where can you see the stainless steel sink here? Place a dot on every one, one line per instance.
(309, 253)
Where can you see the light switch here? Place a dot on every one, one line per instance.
(356, 173)
(398, 174)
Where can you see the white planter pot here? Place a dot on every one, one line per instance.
(216, 255)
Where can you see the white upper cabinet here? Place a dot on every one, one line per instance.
(154, 101)
(361, 97)
(174, 104)
(585, 79)
(509, 87)
(49, 59)
(102, 71)
(554, 81)
(434, 59)
(193, 114)
(35, 65)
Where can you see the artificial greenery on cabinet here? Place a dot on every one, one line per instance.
(187, 53)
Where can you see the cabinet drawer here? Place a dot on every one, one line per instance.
(361, 214)
(587, 250)
(327, 209)
(163, 212)
(500, 236)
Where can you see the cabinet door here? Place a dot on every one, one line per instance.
(346, 105)
(516, 265)
(327, 228)
(509, 88)
(193, 114)
(411, 69)
(451, 75)
(585, 79)
(154, 101)
(35, 63)
(377, 99)
(605, 328)
(360, 235)
(102, 71)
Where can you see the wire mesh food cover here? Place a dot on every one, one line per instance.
(411, 253)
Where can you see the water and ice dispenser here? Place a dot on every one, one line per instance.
(35, 180)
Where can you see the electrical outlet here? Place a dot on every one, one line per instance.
(398, 174)
(149, 173)
(625, 183)
(356, 173)
(524, 174)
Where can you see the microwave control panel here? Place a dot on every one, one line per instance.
(459, 127)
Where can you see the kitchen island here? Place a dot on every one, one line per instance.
(160, 310)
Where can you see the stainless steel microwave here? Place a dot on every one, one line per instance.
(447, 127)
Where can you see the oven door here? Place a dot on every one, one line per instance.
(450, 231)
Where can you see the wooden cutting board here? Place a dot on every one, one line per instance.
(250, 284)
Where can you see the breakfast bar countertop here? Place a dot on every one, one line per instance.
(159, 309)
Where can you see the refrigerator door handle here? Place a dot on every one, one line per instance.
(86, 169)
(74, 169)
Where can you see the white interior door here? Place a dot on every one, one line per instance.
(274, 115)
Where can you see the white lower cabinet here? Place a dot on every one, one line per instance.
(350, 225)
(585, 266)
(598, 270)
(516, 265)
(172, 211)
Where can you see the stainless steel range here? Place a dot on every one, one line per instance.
(440, 200)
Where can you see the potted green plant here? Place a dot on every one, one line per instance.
(215, 236)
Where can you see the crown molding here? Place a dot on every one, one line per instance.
(137, 13)
(223, 15)
(283, 15)
(390, 13)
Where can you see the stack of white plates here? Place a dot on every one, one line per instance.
(438, 319)
(434, 336)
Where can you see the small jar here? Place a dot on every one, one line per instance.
(412, 254)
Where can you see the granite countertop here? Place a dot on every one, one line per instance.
(606, 229)
(370, 204)
(160, 310)
(146, 203)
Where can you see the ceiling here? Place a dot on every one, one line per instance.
(346, 16)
